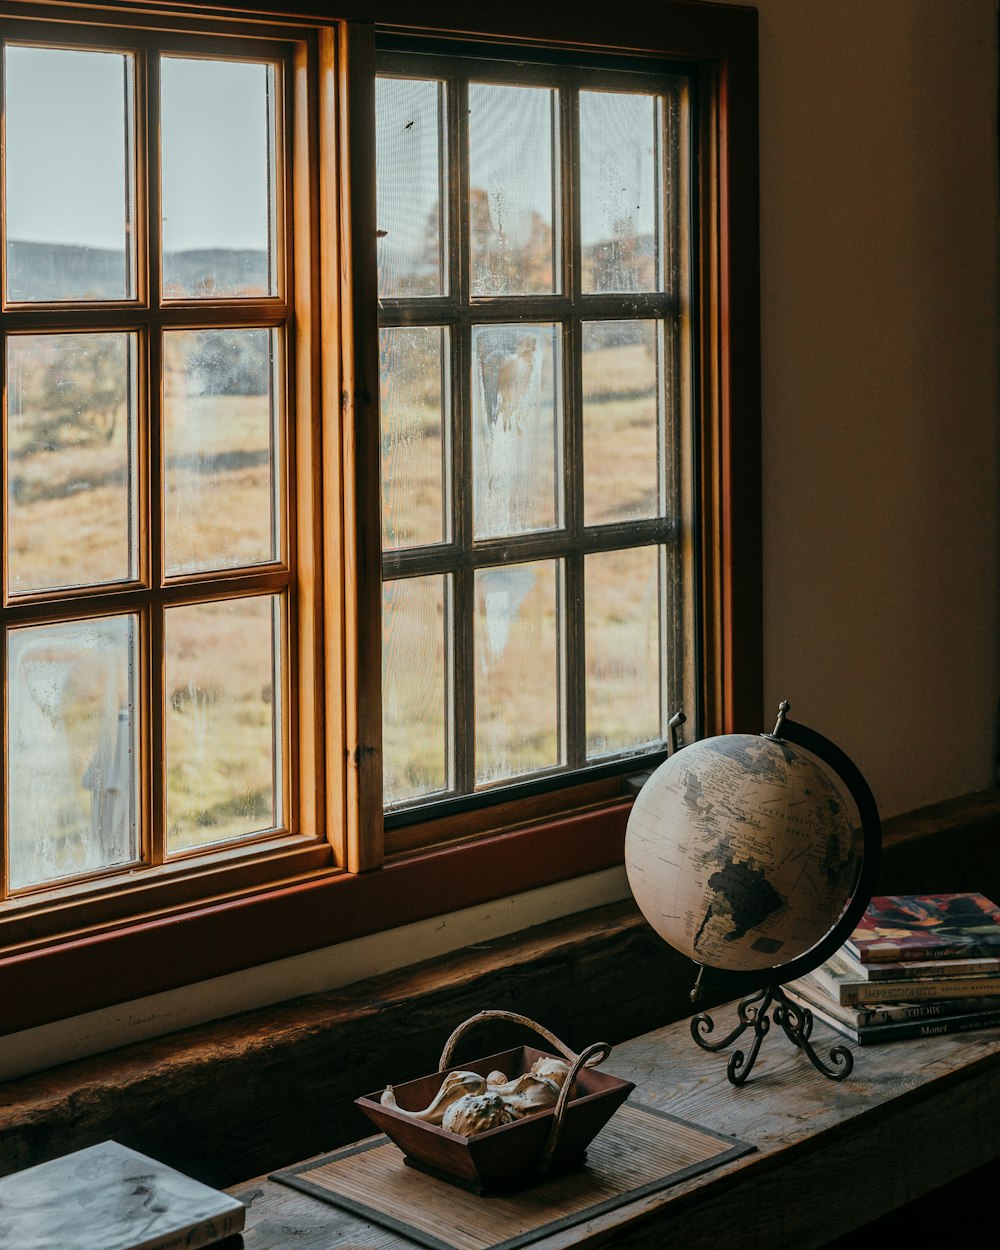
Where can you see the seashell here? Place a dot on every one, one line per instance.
(455, 1085)
(475, 1113)
(552, 1069)
(527, 1093)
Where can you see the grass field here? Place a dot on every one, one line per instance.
(73, 519)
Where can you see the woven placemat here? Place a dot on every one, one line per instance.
(639, 1151)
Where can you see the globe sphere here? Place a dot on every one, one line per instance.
(742, 851)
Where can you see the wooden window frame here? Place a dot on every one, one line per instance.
(291, 899)
(565, 545)
(111, 897)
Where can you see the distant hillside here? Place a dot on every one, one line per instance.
(60, 271)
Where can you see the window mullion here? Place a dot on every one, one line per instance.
(463, 604)
(152, 788)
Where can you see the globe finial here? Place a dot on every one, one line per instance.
(784, 707)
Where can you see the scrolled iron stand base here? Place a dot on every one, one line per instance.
(795, 1022)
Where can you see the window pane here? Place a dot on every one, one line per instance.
(69, 174)
(622, 641)
(219, 413)
(219, 185)
(413, 373)
(223, 721)
(619, 209)
(71, 765)
(621, 420)
(415, 717)
(518, 670)
(412, 251)
(512, 189)
(71, 415)
(517, 429)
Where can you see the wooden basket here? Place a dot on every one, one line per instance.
(512, 1155)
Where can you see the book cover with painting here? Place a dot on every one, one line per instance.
(900, 927)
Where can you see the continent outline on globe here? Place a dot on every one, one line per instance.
(742, 851)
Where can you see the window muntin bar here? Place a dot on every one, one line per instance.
(599, 435)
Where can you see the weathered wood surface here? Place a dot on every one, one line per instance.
(227, 1100)
(830, 1156)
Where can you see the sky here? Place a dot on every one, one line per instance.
(66, 127)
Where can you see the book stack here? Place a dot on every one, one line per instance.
(916, 965)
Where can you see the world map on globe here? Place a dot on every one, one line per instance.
(742, 852)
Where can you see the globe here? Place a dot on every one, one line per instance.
(742, 851)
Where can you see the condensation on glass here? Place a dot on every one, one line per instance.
(72, 781)
(416, 721)
(518, 666)
(223, 720)
(622, 421)
(220, 414)
(622, 646)
(536, 434)
(516, 429)
(411, 196)
(414, 412)
(513, 189)
(69, 180)
(219, 178)
(71, 460)
(620, 197)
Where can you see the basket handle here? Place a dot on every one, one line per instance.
(588, 1058)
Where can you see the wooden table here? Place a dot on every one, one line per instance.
(831, 1156)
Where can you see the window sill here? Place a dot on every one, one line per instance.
(87, 971)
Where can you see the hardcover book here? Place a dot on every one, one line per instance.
(978, 966)
(870, 1034)
(835, 979)
(808, 994)
(108, 1197)
(926, 926)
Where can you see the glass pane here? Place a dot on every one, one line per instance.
(219, 414)
(621, 407)
(71, 414)
(412, 215)
(518, 679)
(219, 184)
(72, 782)
(223, 719)
(517, 429)
(416, 724)
(512, 189)
(622, 644)
(413, 377)
(619, 209)
(69, 176)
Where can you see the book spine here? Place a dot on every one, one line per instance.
(868, 1034)
(978, 966)
(850, 993)
(892, 953)
(877, 1014)
(890, 1013)
(206, 1233)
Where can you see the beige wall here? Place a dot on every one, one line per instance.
(880, 449)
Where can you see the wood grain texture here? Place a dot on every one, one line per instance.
(236, 1097)
(830, 1157)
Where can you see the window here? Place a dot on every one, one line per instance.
(200, 583)
(149, 399)
(537, 449)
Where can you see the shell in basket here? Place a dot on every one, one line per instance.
(494, 1123)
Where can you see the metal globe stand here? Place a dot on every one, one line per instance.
(765, 987)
